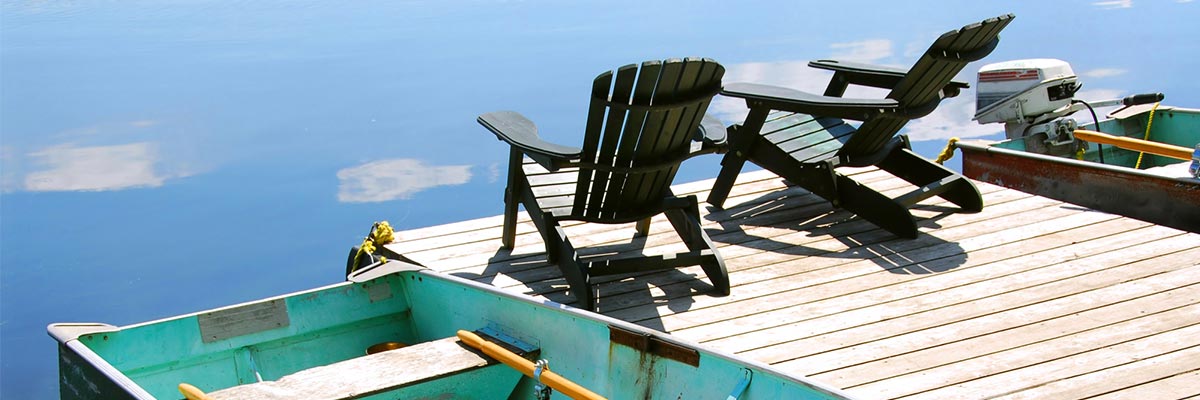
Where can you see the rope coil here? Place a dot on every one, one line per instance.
(947, 152)
(1138, 164)
(381, 234)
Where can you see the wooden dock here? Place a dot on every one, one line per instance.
(1031, 298)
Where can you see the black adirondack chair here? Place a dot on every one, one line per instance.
(803, 137)
(642, 123)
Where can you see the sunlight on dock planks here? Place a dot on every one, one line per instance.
(1031, 298)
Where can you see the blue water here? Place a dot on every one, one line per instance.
(164, 158)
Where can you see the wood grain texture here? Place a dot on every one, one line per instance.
(1031, 298)
(364, 375)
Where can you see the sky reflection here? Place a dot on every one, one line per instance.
(397, 179)
(244, 146)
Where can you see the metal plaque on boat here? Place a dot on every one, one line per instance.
(653, 345)
(378, 291)
(243, 320)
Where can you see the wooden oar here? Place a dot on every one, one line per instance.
(1145, 146)
(549, 378)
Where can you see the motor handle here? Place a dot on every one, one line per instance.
(1143, 98)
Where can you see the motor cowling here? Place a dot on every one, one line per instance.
(1020, 91)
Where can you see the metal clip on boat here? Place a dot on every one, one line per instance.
(553, 380)
(541, 391)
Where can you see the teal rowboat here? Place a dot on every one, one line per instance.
(1135, 163)
(314, 344)
(1105, 177)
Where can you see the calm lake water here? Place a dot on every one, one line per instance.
(165, 158)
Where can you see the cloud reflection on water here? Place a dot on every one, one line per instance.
(952, 118)
(103, 156)
(871, 50)
(396, 179)
(796, 74)
(1102, 73)
(69, 167)
(1114, 4)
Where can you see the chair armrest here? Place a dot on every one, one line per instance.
(872, 75)
(521, 133)
(785, 99)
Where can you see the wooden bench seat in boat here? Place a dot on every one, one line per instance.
(422, 370)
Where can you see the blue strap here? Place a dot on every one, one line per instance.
(741, 385)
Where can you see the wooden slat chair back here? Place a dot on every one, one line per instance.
(804, 137)
(642, 122)
(922, 86)
(640, 127)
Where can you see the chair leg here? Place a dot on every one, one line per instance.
(508, 237)
(731, 166)
(876, 208)
(921, 172)
(512, 197)
(643, 227)
(965, 195)
(574, 271)
(551, 233)
(742, 142)
(687, 224)
(822, 179)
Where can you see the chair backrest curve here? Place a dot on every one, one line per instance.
(945, 58)
(640, 125)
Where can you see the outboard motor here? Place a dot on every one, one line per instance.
(1025, 94)
(1031, 97)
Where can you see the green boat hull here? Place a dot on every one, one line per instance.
(1158, 190)
(276, 337)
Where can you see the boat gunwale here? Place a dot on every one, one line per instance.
(629, 326)
(398, 267)
(985, 147)
(105, 368)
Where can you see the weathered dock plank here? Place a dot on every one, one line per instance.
(823, 332)
(1031, 298)
(1130, 380)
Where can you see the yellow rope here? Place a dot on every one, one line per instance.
(1138, 165)
(381, 234)
(947, 152)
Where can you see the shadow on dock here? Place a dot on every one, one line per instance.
(798, 223)
(676, 288)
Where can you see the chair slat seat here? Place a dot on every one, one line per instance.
(554, 192)
(812, 140)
